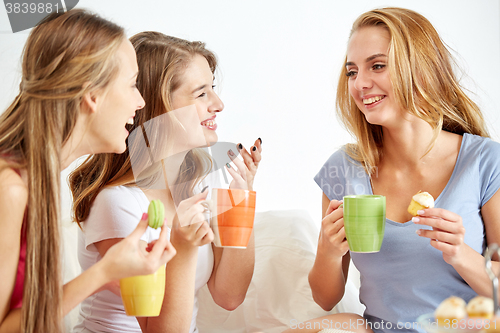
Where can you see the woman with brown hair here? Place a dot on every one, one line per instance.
(76, 94)
(416, 129)
(110, 190)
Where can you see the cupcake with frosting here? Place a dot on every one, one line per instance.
(480, 307)
(421, 200)
(450, 310)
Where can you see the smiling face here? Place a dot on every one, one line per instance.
(368, 75)
(197, 89)
(117, 104)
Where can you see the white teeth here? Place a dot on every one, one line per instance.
(130, 121)
(209, 123)
(372, 99)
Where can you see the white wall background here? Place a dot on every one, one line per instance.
(279, 64)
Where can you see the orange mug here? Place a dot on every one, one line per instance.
(232, 217)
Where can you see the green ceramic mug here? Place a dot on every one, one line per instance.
(364, 222)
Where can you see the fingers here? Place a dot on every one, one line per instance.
(248, 158)
(191, 210)
(162, 246)
(451, 226)
(334, 215)
(256, 150)
(447, 233)
(439, 213)
(141, 228)
(241, 167)
(334, 204)
(240, 181)
(441, 236)
(204, 234)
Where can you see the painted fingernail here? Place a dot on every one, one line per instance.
(231, 153)
(228, 165)
(144, 216)
(415, 219)
(260, 140)
(240, 146)
(418, 232)
(204, 189)
(254, 148)
(420, 212)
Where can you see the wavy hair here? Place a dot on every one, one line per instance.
(65, 56)
(424, 84)
(162, 60)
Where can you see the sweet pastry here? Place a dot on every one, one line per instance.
(421, 200)
(480, 307)
(156, 214)
(452, 308)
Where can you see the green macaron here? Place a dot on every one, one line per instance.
(156, 214)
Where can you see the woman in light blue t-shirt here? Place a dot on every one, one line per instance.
(416, 130)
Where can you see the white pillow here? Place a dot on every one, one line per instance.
(279, 294)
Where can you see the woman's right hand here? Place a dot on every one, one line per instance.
(332, 238)
(189, 227)
(128, 257)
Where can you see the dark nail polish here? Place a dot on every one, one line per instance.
(260, 140)
(228, 165)
(231, 153)
(204, 189)
(254, 148)
(240, 146)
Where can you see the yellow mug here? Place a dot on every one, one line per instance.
(142, 295)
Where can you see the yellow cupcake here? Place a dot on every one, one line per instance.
(480, 307)
(452, 308)
(421, 200)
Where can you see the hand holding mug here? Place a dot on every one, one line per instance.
(332, 238)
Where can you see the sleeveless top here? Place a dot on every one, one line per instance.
(16, 300)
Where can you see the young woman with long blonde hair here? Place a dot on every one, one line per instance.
(76, 94)
(176, 79)
(416, 129)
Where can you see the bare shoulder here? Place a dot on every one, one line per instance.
(13, 189)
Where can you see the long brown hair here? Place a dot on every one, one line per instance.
(162, 60)
(423, 81)
(65, 56)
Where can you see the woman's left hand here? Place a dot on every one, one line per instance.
(244, 175)
(447, 234)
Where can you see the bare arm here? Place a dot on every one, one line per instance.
(328, 276)
(177, 308)
(125, 258)
(13, 199)
(233, 271)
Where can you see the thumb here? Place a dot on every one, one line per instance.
(200, 196)
(141, 228)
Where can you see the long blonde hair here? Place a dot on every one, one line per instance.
(162, 60)
(65, 56)
(423, 81)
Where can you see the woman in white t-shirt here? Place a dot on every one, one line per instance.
(162, 162)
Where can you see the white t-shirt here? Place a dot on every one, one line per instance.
(115, 214)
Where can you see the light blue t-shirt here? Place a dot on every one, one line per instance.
(408, 277)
